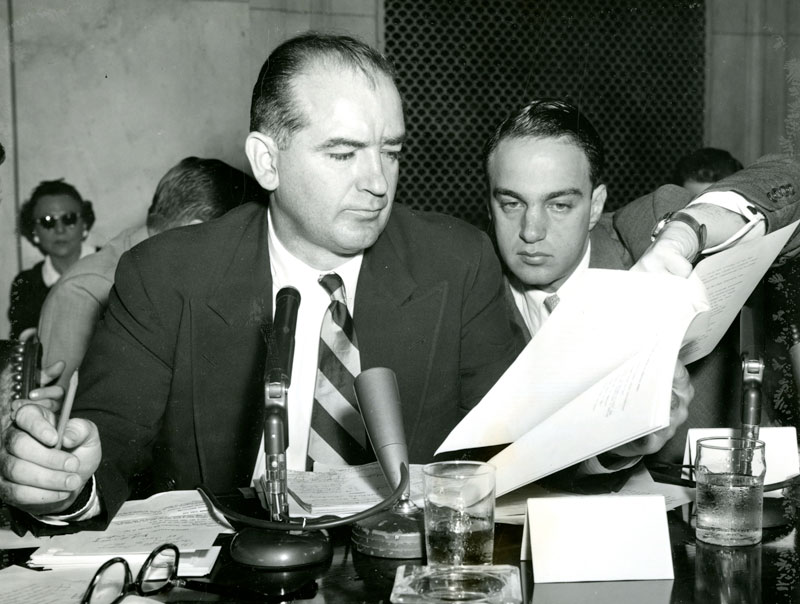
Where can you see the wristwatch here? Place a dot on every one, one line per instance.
(699, 229)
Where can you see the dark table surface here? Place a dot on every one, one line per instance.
(768, 573)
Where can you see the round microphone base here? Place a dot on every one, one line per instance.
(263, 548)
(391, 534)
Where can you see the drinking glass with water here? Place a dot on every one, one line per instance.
(729, 472)
(459, 513)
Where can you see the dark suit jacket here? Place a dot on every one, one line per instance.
(173, 377)
(620, 238)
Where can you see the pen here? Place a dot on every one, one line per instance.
(66, 409)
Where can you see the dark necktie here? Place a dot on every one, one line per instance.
(337, 435)
(550, 303)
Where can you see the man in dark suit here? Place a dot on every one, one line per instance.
(171, 390)
(546, 195)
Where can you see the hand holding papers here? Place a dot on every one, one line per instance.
(598, 373)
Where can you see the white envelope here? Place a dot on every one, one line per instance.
(597, 538)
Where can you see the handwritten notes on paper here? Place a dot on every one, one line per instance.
(729, 278)
(178, 517)
(596, 375)
(343, 490)
(599, 372)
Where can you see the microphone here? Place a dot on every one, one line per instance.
(397, 532)
(280, 347)
(277, 377)
(273, 548)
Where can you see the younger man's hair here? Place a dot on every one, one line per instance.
(553, 118)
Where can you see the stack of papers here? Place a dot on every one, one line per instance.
(343, 490)
(177, 517)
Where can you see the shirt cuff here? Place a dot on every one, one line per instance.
(593, 466)
(89, 510)
(735, 203)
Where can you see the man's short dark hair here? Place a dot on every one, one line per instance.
(51, 187)
(553, 118)
(274, 110)
(705, 165)
(199, 189)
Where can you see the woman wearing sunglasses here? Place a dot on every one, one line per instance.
(56, 219)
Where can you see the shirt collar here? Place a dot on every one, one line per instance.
(288, 269)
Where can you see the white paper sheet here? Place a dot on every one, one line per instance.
(729, 278)
(599, 538)
(343, 490)
(512, 507)
(578, 346)
(177, 517)
(599, 372)
(584, 385)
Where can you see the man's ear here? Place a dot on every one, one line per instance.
(262, 152)
(598, 202)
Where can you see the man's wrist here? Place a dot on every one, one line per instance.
(81, 500)
(684, 230)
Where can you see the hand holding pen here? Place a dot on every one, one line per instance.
(44, 464)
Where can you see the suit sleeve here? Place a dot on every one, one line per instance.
(69, 316)
(772, 184)
(489, 344)
(132, 340)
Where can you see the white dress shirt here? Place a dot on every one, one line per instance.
(288, 270)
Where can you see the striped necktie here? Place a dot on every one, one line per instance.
(337, 435)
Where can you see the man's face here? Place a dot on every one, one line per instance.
(337, 176)
(543, 207)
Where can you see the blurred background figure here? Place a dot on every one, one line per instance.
(193, 191)
(56, 219)
(699, 169)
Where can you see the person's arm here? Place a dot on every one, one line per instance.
(126, 374)
(770, 188)
(68, 319)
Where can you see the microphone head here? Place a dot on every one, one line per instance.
(379, 403)
(280, 336)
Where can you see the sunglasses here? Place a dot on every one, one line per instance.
(49, 222)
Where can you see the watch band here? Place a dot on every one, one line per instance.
(691, 222)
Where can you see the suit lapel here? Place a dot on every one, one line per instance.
(228, 355)
(398, 322)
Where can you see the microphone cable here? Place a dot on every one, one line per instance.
(685, 482)
(304, 524)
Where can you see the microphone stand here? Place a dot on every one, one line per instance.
(267, 548)
(273, 481)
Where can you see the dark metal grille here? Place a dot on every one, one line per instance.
(636, 67)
